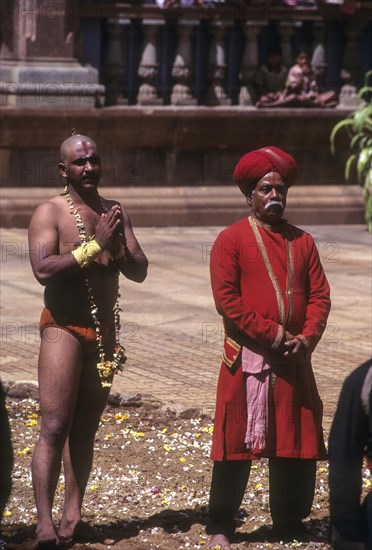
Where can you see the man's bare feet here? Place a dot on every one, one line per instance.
(45, 545)
(46, 538)
(83, 532)
(218, 541)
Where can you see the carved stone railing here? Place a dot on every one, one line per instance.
(178, 56)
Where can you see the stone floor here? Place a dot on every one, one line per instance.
(171, 330)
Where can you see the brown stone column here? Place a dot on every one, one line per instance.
(217, 65)
(149, 66)
(182, 65)
(38, 64)
(250, 62)
(114, 62)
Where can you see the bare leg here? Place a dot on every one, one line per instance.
(59, 376)
(78, 453)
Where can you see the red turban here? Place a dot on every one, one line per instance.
(254, 165)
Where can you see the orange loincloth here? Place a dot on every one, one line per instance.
(85, 334)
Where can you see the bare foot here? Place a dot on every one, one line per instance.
(219, 541)
(83, 532)
(46, 538)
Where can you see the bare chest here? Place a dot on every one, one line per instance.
(70, 234)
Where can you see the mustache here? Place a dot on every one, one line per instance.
(274, 203)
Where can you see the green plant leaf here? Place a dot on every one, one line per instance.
(367, 76)
(349, 163)
(362, 118)
(347, 122)
(364, 164)
(355, 140)
(366, 141)
(365, 91)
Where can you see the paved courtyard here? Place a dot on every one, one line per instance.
(171, 330)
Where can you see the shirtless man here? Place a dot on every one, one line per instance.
(79, 242)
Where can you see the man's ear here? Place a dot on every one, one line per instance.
(248, 199)
(62, 170)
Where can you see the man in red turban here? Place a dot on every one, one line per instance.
(271, 291)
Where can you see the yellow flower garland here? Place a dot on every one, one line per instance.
(85, 255)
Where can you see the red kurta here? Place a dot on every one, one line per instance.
(266, 281)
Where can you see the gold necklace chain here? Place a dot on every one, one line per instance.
(105, 367)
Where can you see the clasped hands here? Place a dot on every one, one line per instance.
(110, 232)
(293, 347)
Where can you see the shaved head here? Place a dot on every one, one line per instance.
(71, 142)
(80, 162)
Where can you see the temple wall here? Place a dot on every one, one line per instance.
(158, 146)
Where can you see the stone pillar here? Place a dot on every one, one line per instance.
(149, 66)
(182, 65)
(352, 52)
(318, 60)
(114, 62)
(286, 30)
(350, 74)
(250, 62)
(38, 67)
(335, 44)
(217, 66)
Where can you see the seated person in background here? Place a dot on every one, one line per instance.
(301, 89)
(350, 440)
(271, 76)
(301, 78)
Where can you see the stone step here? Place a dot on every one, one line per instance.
(184, 206)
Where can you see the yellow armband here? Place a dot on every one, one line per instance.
(87, 253)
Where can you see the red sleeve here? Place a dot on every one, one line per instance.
(225, 280)
(319, 302)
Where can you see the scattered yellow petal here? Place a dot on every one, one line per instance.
(60, 487)
(138, 434)
(167, 447)
(32, 423)
(164, 430)
(7, 514)
(201, 542)
(105, 419)
(93, 487)
(208, 429)
(258, 486)
(33, 415)
(108, 436)
(24, 451)
(134, 472)
(174, 434)
(119, 417)
(322, 470)
(165, 502)
(182, 459)
(368, 483)
(197, 436)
